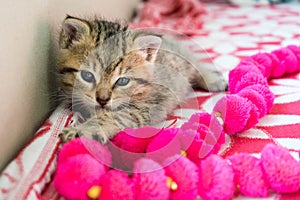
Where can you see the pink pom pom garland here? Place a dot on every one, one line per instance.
(177, 163)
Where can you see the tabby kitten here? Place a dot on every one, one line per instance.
(117, 78)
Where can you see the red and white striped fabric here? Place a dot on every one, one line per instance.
(228, 34)
(27, 176)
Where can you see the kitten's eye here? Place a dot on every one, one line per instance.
(87, 76)
(122, 81)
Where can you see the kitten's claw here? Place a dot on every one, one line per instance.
(71, 133)
(68, 134)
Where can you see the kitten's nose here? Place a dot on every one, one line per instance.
(102, 102)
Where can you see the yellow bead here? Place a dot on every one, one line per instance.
(183, 153)
(94, 192)
(171, 184)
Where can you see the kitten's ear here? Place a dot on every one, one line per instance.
(73, 29)
(148, 46)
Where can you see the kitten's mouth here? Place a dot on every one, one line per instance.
(102, 107)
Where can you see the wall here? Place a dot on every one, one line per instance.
(28, 39)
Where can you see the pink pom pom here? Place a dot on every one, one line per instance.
(116, 185)
(264, 63)
(281, 170)
(253, 119)
(209, 121)
(296, 50)
(150, 180)
(165, 144)
(198, 144)
(135, 140)
(201, 136)
(124, 160)
(287, 62)
(236, 74)
(195, 120)
(256, 98)
(181, 173)
(129, 145)
(237, 112)
(218, 131)
(72, 148)
(216, 179)
(249, 175)
(265, 92)
(84, 145)
(250, 78)
(76, 175)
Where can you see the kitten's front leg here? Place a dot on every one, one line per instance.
(100, 129)
(106, 124)
(90, 129)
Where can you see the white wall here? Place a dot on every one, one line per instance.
(28, 34)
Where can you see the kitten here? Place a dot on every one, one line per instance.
(117, 78)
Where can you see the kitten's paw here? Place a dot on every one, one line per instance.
(218, 86)
(216, 82)
(71, 133)
(68, 134)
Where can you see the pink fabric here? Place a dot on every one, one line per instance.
(184, 15)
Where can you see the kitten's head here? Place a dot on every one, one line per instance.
(103, 65)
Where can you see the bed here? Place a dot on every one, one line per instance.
(227, 34)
